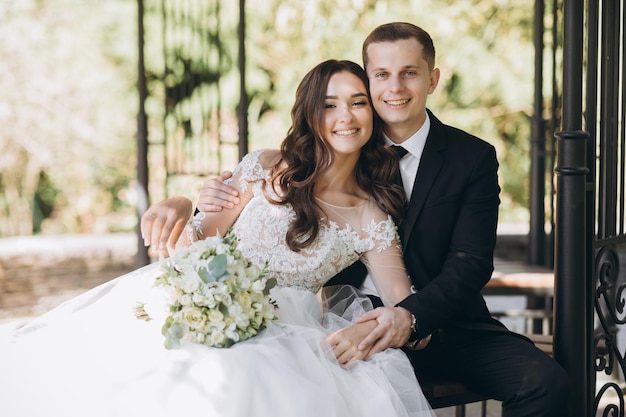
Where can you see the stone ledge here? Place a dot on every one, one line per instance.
(39, 272)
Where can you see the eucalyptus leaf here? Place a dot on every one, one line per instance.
(205, 275)
(269, 284)
(217, 266)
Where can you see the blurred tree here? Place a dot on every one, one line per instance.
(484, 51)
(68, 104)
(67, 77)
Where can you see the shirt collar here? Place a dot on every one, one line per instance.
(415, 143)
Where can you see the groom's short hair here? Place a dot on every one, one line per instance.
(390, 32)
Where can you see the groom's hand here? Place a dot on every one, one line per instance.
(393, 329)
(215, 195)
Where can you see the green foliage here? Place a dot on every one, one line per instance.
(484, 51)
(68, 76)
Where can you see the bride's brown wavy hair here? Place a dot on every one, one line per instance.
(305, 156)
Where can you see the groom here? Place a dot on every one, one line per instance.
(448, 235)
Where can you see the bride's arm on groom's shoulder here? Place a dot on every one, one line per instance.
(170, 223)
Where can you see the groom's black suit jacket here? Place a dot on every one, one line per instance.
(449, 233)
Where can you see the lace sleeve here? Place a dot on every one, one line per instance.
(384, 261)
(249, 170)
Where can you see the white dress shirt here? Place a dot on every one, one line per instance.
(410, 162)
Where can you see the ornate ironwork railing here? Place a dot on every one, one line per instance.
(591, 185)
(606, 119)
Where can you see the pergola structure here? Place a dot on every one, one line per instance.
(587, 244)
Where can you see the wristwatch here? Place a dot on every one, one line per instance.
(414, 342)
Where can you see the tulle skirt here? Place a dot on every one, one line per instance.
(92, 357)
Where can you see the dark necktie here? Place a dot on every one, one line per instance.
(401, 151)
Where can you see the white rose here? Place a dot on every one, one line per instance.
(216, 338)
(215, 316)
(244, 299)
(191, 285)
(200, 337)
(193, 317)
(224, 298)
(199, 299)
(232, 335)
(236, 270)
(253, 271)
(185, 300)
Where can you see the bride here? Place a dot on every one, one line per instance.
(309, 210)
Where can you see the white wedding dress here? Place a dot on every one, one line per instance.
(90, 357)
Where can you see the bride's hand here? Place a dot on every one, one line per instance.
(345, 342)
(163, 223)
(215, 195)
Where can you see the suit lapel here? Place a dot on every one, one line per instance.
(430, 165)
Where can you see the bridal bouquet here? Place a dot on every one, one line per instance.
(215, 295)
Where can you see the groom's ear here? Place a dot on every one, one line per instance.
(434, 80)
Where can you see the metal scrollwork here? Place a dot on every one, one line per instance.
(607, 270)
(609, 305)
(611, 410)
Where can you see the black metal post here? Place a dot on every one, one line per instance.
(572, 308)
(242, 109)
(591, 117)
(609, 82)
(143, 199)
(537, 235)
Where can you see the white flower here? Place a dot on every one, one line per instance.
(216, 338)
(191, 284)
(258, 286)
(237, 270)
(185, 299)
(193, 317)
(200, 284)
(244, 300)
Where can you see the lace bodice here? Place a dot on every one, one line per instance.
(346, 234)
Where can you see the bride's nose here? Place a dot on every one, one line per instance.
(345, 114)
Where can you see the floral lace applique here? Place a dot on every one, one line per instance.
(249, 170)
(262, 227)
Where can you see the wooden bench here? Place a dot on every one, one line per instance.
(442, 393)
